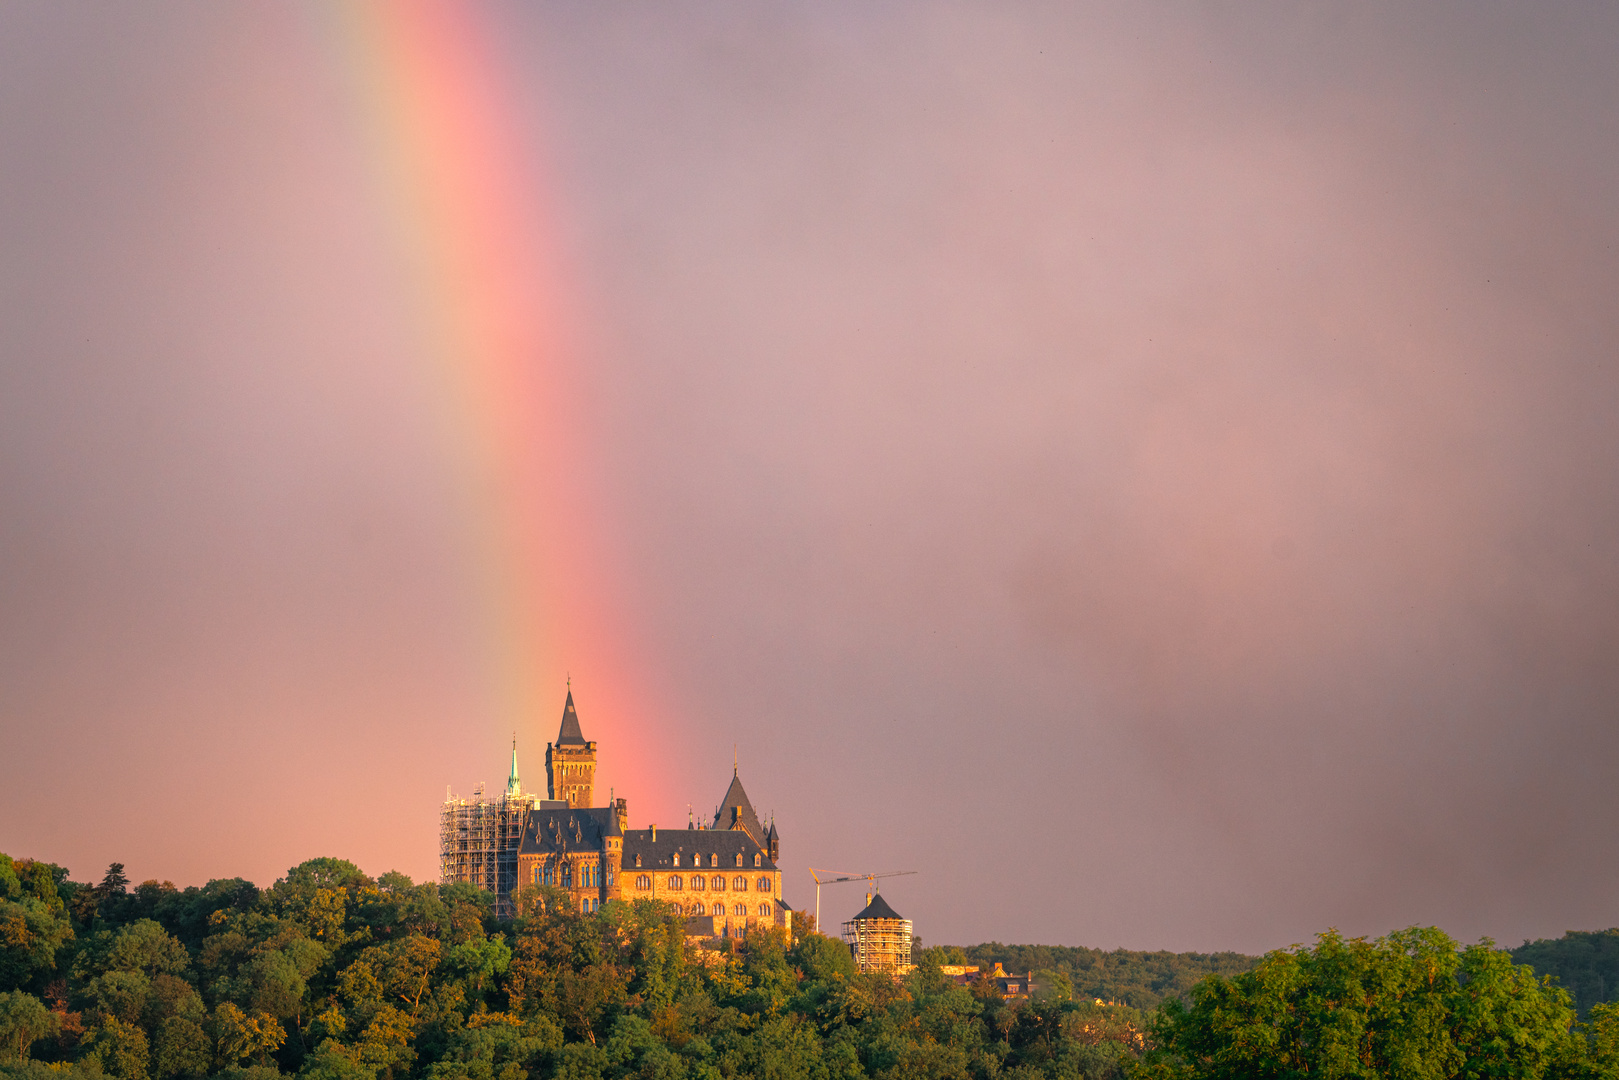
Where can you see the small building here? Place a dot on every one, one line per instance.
(1007, 984)
(879, 938)
(1010, 986)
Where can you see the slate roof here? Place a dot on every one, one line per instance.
(704, 843)
(736, 798)
(570, 735)
(877, 909)
(550, 831)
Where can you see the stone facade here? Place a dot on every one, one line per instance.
(723, 876)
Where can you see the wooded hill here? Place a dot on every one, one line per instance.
(1137, 979)
(330, 974)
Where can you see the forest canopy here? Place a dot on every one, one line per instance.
(331, 974)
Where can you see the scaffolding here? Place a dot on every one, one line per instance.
(878, 943)
(479, 840)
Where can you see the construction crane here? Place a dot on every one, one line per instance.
(819, 881)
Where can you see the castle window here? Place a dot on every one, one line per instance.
(674, 881)
(739, 858)
(567, 875)
(764, 884)
(740, 883)
(637, 860)
(643, 882)
(677, 858)
(697, 881)
(714, 859)
(697, 909)
(610, 878)
(740, 909)
(757, 860)
(717, 884)
(764, 911)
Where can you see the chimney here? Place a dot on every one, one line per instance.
(654, 834)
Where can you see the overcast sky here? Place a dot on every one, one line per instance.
(1151, 470)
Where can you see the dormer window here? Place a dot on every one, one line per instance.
(637, 860)
(677, 858)
(714, 859)
(758, 860)
(739, 858)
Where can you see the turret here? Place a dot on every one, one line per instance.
(514, 786)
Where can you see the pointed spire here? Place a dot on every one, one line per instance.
(570, 735)
(514, 786)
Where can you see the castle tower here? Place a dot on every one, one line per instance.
(879, 938)
(570, 762)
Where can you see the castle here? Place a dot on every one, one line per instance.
(722, 876)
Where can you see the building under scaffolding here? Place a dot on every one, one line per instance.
(879, 938)
(479, 838)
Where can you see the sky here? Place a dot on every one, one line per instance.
(1150, 470)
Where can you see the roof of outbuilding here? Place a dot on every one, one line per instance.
(877, 909)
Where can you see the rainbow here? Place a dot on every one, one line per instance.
(471, 216)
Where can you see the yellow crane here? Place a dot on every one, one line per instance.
(819, 881)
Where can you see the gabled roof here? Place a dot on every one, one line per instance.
(702, 844)
(737, 800)
(877, 909)
(570, 735)
(554, 828)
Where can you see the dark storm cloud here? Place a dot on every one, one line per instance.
(1150, 470)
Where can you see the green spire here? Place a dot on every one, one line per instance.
(514, 786)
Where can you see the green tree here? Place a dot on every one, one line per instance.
(1410, 1005)
(24, 1019)
(181, 1050)
(120, 1048)
(33, 933)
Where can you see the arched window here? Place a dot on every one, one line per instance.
(643, 882)
(611, 877)
(677, 858)
(757, 859)
(739, 883)
(567, 875)
(763, 884)
(674, 882)
(714, 859)
(764, 911)
(739, 858)
(717, 883)
(739, 909)
(697, 909)
(697, 881)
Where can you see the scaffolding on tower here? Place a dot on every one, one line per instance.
(479, 840)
